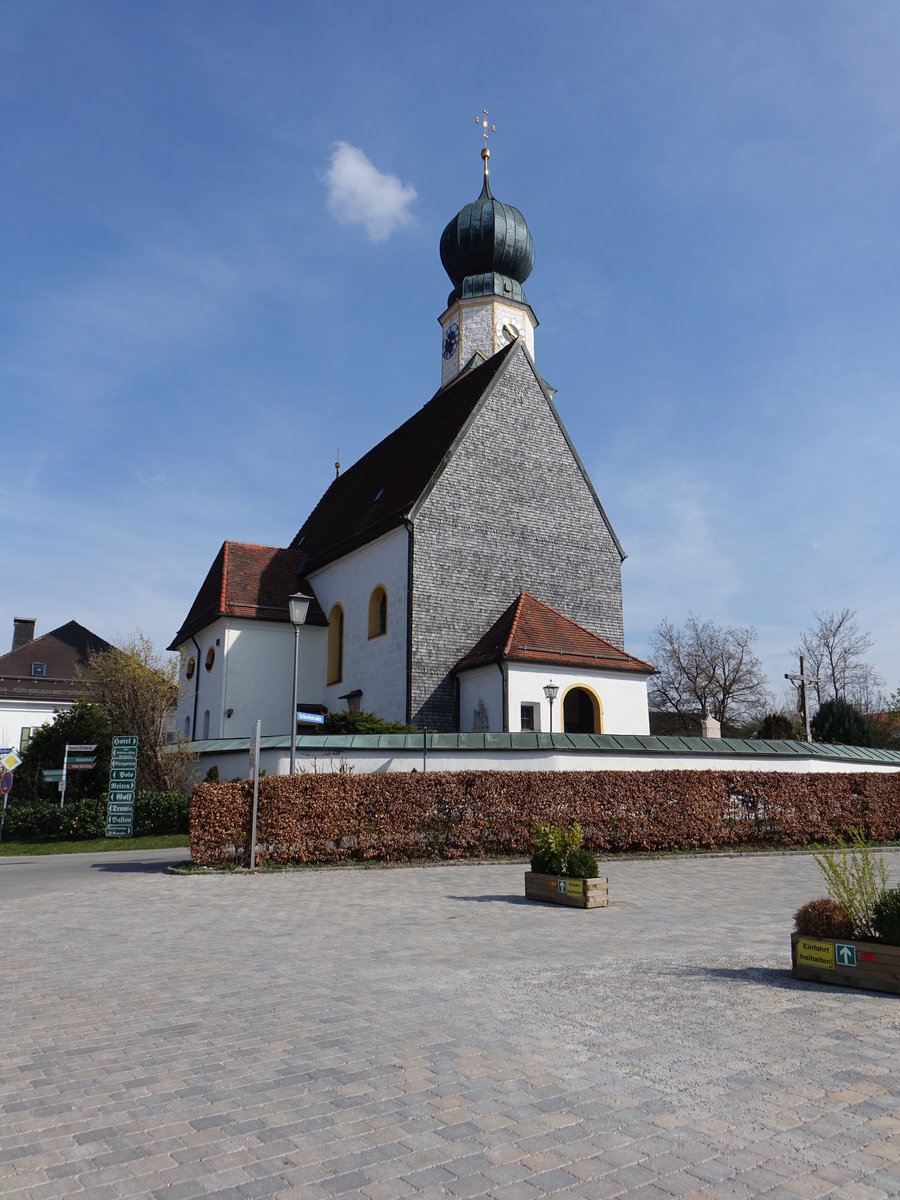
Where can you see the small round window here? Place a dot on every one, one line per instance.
(210, 658)
(191, 667)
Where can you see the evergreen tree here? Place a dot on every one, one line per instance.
(841, 723)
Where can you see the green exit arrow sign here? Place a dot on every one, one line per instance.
(846, 955)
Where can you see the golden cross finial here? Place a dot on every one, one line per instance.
(486, 126)
(488, 129)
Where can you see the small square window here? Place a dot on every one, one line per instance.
(38, 670)
(527, 718)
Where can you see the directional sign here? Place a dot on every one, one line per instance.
(846, 955)
(81, 749)
(122, 782)
(309, 718)
(54, 776)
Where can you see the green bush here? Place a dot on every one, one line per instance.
(823, 918)
(855, 878)
(553, 844)
(160, 812)
(45, 821)
(886, 916)
(582, 863)
(362, 722)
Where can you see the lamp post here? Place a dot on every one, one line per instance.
(551, 691)
(298, 606)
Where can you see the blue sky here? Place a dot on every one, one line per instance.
(220, 263)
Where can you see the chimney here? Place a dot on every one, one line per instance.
(23, 631)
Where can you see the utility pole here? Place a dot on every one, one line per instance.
(800, 681)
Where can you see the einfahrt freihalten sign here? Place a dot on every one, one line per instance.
(122, 783)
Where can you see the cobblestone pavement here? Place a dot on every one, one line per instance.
(425, 1032)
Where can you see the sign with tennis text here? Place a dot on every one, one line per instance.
(122, 784)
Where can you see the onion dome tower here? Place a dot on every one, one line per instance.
(488, 252)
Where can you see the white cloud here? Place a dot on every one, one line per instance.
(359, 194)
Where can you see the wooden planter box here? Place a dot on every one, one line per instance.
(559, 889)
(871, 965)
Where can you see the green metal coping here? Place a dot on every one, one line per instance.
(564, 743)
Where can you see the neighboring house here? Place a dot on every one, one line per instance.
(39, 676)
(418, 550)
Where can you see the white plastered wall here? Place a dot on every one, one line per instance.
(481, 686)
(16, 715)
(252, 674)
(377, 666)
(623, 698)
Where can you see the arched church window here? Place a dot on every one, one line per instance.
(336, 644)
(378, 612)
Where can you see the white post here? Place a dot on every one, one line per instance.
(255, 795)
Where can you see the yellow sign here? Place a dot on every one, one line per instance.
(569, 887)
(10, 761)
(815, 954)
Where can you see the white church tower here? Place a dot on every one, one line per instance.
(488, 252)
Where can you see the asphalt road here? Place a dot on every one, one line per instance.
(44, 874)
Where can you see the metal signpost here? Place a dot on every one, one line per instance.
(76, 758)
(254, 768)
(122, 783)
(9, 760)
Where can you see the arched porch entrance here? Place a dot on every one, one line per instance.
(582, 711)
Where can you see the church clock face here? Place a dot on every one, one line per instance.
(507, 332)
(451, 339)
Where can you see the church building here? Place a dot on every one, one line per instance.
(463, 574)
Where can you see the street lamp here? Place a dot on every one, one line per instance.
(298, 606)
(551, 691)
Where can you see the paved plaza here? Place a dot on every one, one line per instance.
(426, 1032)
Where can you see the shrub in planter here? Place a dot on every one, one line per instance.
(855, 878)
(582, 862)
(552, 846)
(823, 918)
(886, 916)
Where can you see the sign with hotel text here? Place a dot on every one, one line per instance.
(122, 783)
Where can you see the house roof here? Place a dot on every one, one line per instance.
(379, 491)
(248, 581)
(62, 652)
(533, 632)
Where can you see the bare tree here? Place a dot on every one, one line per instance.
(834, 649)
(706, 665)
(138, 688)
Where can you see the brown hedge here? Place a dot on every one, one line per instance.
(391, 817)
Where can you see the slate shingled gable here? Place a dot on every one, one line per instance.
(248, 581)
(533, 632)
(63, 651)
(378, 492)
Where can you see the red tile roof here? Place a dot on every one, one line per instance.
(248, 581)
(531, 631)
(63, 652)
